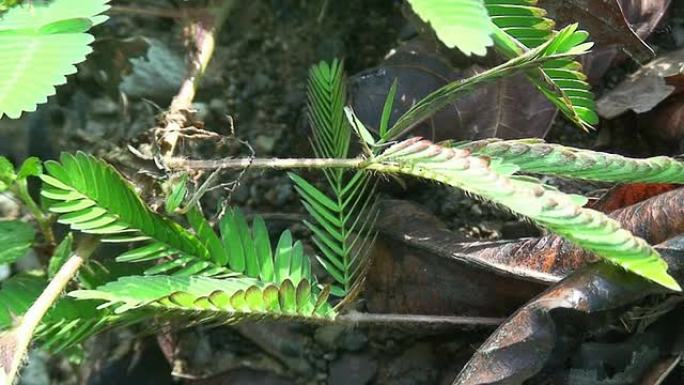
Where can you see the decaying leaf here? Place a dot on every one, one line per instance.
(417, 260)
(509, 108)
(603, 19)
(628, 194)
(421, 267)
(536, 334)
(663, 127)
(655, 220)
(645, 15)
(646, 88)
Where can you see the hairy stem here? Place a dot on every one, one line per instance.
(274, 163)
(203, 33)
(537, 157)
(15, 344)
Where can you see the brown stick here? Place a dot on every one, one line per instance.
(204, 34)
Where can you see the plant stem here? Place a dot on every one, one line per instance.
(15, 343)
(274, 163)
(20, 190)
(358, 317)
(203, 33)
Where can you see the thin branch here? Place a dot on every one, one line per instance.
(15, 343)
(355, 317)
(273, 163)
(203, 33)
(150, 11)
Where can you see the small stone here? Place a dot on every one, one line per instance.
(328, 336)
(264, 143)
(103, 106)
(353, 340)
(218, 106)
(201, 110)
(352, 369)
(36, 371)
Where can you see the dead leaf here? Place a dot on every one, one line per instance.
(628, 194)
(417, 260)
(645, 15)
(645, 89)
(663, 127)
(588, 299)
(510, 108)
(603, 19)
(521, 347)
(655, 220)
(418, 264)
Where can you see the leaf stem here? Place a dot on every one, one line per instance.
(273, 163)
(15, 343)
(20, 190)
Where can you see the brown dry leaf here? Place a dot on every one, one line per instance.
(603, 19)
(646, 88)
(628, 194)
(522, 346)
(645, 15)
(509, 108)
(655, 220)
(663, 127)
(417, 263)
(417, 260)
(589, 299)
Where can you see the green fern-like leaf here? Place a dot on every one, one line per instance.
(16, 237)
(521, 26)
(239, 251)
(522, 20)
(214, 300)
(92, 197)
(537, 157)
(564, 46)
(342, 224)
(561, 213)
(457, 23)
(68, 323)
(40, 44)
